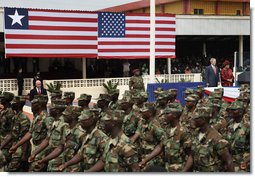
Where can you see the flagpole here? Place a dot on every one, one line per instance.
(152, 41)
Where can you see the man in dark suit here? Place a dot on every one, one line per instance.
(212, 74)
(37, 90)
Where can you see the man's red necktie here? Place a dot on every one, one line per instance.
(214, 69)
(39, 92)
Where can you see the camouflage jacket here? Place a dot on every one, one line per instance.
(150, 135)
(219, 123)
(21, 124)
(92, 148)
(130, 123)
(238, 135)
(56, 133)
(72, 141)
(136, 82)
(6, 117)
(39, 127)
(207, 149)
(119, 154)
(175, 142)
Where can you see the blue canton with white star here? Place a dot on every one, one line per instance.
(111, 25)
(16, 18)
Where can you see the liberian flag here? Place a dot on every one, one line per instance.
(55, 33)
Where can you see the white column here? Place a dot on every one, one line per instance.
(84, 68)
(169, 66)
(241, 50)
(204, 49)
(152, 41)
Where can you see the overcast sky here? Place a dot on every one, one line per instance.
(87, 5)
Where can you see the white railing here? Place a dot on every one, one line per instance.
(10, 85)
(94, 86)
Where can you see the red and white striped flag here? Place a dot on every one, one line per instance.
(134, 42)
(53, 33)
(48, 33)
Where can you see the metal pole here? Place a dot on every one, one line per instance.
(234, 68)
(169, 68)
(84, 68)
(152, 41)
(241, 50)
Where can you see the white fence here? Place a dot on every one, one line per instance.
(94, 86)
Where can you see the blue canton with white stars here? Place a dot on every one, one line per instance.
(111, 24)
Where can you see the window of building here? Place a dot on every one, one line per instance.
(238, 12)
(198, 11)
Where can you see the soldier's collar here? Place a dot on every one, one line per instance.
(236, 125)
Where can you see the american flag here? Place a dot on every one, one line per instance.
(54, 33)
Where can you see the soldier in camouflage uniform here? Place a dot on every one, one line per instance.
(93, 145)
(136, 81)
(70, 142)
(119, 154)
(139, 100)
(54, 134)
(149, 135)
(131, 118)
(189, 110)
(38, 128)
(114, 95)
(84, 100)
(218, 122)
(245, 98)
(162, 101)
(20, 127)
(157, 92)
(56, 94)
(174, 144)
(6, 117)
(238, 135)
(102, 103)
(209, 151)
(69, 97)
(202, 99)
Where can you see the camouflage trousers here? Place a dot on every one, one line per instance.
(15, 162)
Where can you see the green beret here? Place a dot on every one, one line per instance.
(18, 99)
(72, 110)
(163, 95)
(236, 105)
(104, 97)
(148, 107)
(203, 112)
(56, 93)
(42, 99)
(85, 97)
(219, 90)
(190, 99)
(58, 103)
(8, 96)
(189, 91)
(158, 90)
(69, 95)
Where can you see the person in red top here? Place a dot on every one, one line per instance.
(226, 73)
